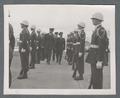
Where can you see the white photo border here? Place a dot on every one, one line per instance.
(9, 91)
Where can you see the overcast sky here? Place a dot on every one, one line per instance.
(62, 17)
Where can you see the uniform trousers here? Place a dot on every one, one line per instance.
(48, 53)
(24, 63)
(79, 65)
(33, 57)
(59, 54)
(38, 55)
(96, 77)
(42, 55)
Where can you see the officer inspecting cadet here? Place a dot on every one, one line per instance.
(60, 47)
(38, 47)
(24, 49)
(33, 47)
(54, 47)
(11, 50)
(99, 42)
(79, 48)
(49, 40)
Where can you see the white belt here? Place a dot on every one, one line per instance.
(94, 46)
(77, 43)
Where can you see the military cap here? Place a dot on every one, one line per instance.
(60, 33)
(51, 28)
(56, 32)
(25, 22)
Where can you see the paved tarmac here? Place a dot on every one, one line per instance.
(53, 76)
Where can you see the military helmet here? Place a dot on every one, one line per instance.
(98, 16)
(33, 27)
(81, 24)
(25, 22)
(39, 30)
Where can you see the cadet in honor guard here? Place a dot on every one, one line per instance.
(11, 50)
(69, 51)
(54, 47)
(24, 50)
(97, 50)
(38, 47)
(60, 47)
(79, 49)
(33, 38)
(49, 40)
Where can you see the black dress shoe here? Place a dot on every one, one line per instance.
(74, 75)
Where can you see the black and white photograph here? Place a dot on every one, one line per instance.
(59, 49)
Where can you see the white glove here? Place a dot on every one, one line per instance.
(99, 65)
(80, 54)
(37, 48)
(23, 50)
(30, 48)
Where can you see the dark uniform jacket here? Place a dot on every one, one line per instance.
(24, 40)
(33, 38)
(69, 43)
(11, 42)
(11, 36)
(99, 39)
(55, 42)
(60, 44)
(79, 43)
(38, 41)
(49, 41)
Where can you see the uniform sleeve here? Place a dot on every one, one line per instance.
(82, 42)
(102, 43)
(11, 36)
(20, 44)
(63, 44)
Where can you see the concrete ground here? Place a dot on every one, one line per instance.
(53, 76)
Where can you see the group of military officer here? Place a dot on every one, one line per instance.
(44, 46)
(39, 47)
(97, 52)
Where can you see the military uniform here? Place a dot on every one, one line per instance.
(11, 49)
(24, 51)
(33, 49)
(38, 49)
(42, 56)
(49, 40)
(69, 50)
(79, 47)
(54, 47)
(60, 47)
(96, 53)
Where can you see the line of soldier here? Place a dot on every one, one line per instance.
(39, 46)
(75, 50)
(97, 53)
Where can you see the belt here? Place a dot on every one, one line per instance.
(94, 46)
(77, 43)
